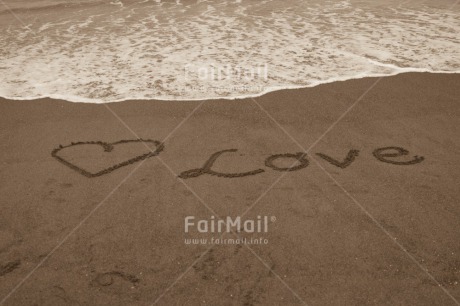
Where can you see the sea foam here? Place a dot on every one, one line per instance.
(191, 50)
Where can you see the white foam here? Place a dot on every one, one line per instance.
(142, 51)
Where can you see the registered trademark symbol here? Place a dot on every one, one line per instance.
(273, 218)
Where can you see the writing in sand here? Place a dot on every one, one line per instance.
(390, 155)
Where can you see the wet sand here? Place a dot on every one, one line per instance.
(356, 221)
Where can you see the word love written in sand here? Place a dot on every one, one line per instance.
(390, 155)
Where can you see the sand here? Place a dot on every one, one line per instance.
(370, 216)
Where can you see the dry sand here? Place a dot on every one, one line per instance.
(360, 231)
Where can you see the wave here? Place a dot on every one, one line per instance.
(196, 50)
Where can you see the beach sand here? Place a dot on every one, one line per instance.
(368, 233)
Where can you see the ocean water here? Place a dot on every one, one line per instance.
(104, 51)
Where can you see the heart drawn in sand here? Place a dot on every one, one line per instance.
(108, 147)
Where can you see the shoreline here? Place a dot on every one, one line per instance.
(356, 221)
(77, 99)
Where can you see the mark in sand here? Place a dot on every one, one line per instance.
(380, 155)
(9, 267)
(206, 169)
(301, 157)
(108, 147)
(107, 279)
(352, 154)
